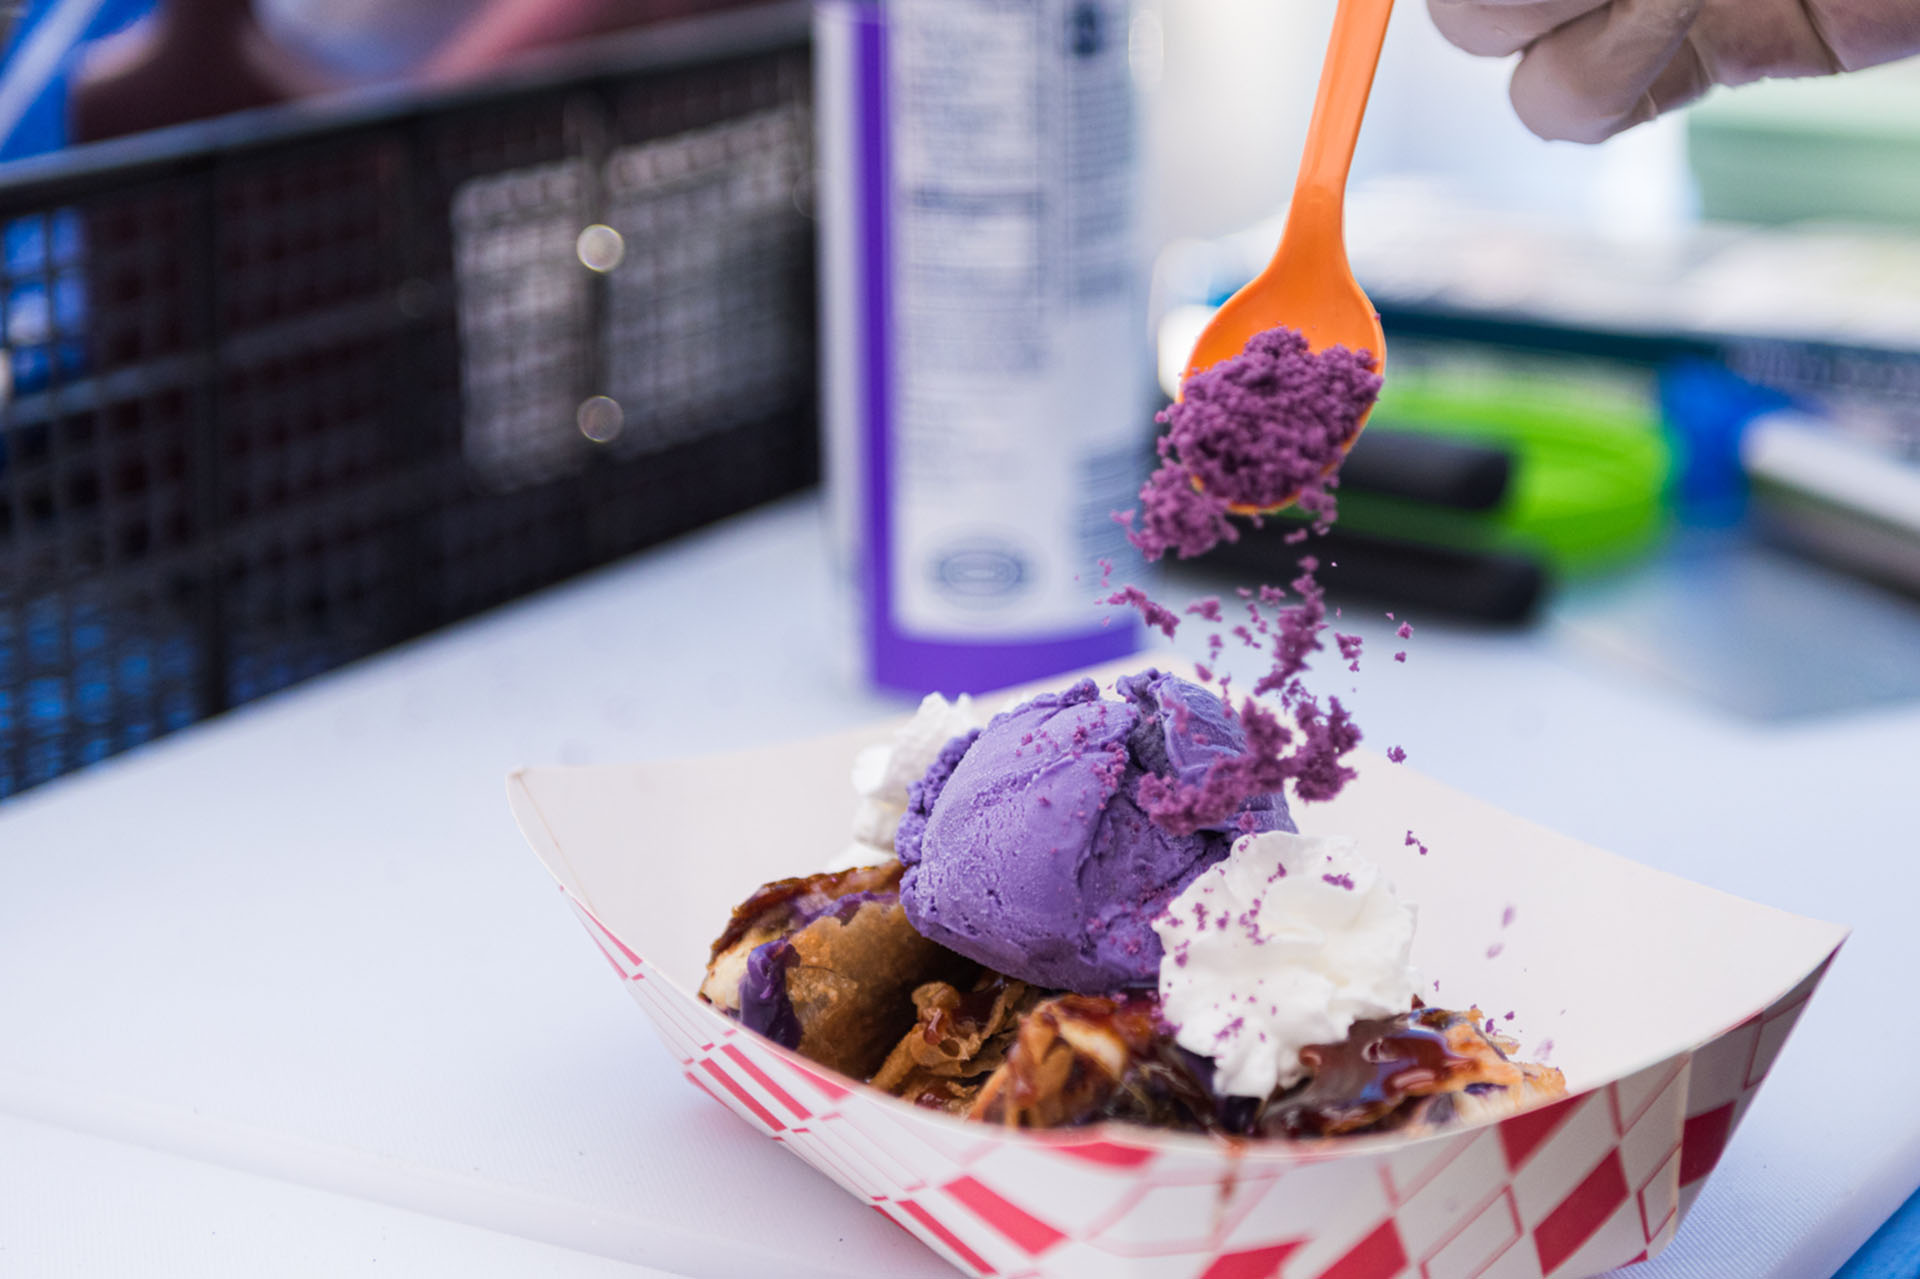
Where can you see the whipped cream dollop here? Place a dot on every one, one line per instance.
(882, 772)
(1286, 943)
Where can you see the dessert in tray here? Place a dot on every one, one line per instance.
(1013, 938)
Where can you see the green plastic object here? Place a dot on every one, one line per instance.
(1790, 150)
(1590, 467)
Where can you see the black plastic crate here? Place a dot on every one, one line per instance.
(287, 389)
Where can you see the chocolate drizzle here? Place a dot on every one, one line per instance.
(1363, 1079)
(1080, 1060)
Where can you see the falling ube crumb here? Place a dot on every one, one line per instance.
(1162, 619)
(1266, 427)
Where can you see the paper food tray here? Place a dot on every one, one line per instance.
(1663, 1001)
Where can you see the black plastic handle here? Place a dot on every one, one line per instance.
(1427, 468)
(1479, 586)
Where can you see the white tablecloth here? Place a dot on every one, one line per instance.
(291, 980)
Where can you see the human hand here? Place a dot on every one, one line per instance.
(1590, 68)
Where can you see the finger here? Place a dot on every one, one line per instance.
(1496, 28)
(1866, 33)
(1686, 79)
(1752, 39)
(1589, 79)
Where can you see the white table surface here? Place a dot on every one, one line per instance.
(290, 980)
(73, 1204)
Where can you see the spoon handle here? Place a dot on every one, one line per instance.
(1346, 78)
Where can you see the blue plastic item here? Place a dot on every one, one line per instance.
(43, 300)
(1894, 1250)
(1706, 409)
(37, 68)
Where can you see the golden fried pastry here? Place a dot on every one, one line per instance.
(957, 1041)
(826, 965)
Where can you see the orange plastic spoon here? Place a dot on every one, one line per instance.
(1308, 285)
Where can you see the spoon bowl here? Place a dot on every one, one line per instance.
(1308, 284)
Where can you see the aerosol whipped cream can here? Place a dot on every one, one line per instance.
(985, 366)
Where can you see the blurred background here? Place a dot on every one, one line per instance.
(326, 325)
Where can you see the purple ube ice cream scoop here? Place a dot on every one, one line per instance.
(1025, 849)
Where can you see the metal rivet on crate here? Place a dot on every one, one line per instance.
(600, 418)
(600, 247)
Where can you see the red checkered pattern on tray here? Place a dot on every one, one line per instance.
(1572, 1189)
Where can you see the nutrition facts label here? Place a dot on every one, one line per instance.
(1019, 367)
